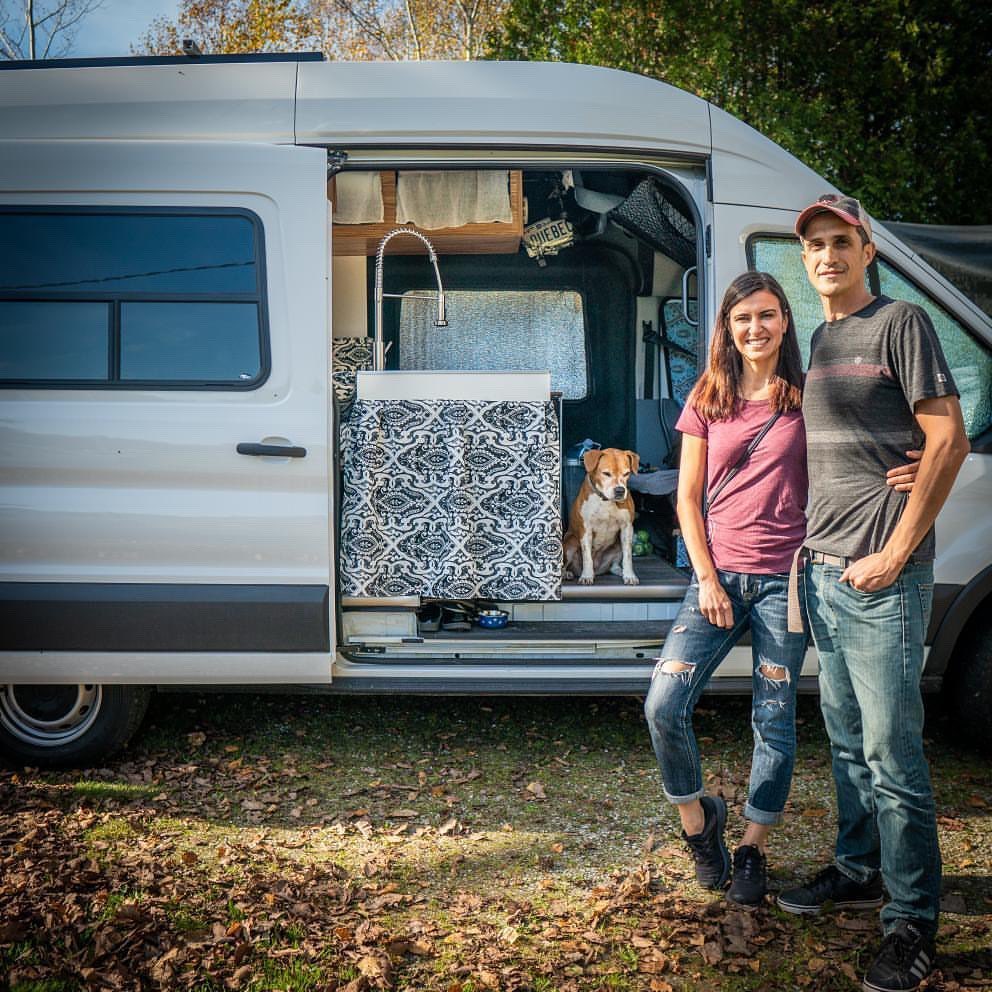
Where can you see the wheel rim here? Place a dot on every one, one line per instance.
(49, 715)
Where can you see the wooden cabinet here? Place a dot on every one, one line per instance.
(470, 239)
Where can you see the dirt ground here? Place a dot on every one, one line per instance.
(310, 842)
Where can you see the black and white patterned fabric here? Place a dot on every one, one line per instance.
(681, 332)
(451, 499)
(348, 356)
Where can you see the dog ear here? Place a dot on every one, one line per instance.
(635, 460)
(591, 459)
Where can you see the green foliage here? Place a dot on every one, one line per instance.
(887, 99)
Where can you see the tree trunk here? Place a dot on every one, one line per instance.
(31, 28)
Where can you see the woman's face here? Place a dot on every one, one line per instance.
(757, 326)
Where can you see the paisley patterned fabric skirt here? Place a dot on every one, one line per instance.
(451, 499)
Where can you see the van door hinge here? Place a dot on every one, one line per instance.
(335, 162)
(708, 241)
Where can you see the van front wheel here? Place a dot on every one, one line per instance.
(68, 726)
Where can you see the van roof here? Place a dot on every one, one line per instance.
(302, 98)
(382, 103)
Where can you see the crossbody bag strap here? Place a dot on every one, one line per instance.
(711, 496)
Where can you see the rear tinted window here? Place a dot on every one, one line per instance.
(131, 298)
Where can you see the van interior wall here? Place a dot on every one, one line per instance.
(608, 280)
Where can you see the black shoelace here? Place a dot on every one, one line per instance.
(747, 865)
(897, 949)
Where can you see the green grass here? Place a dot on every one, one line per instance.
(88, 789)
(113, 831)
(287, 976)
(44, 985)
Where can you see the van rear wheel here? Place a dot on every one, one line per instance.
(969, 687)
(67, 726)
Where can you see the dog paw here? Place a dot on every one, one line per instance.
(631, 580)
(586, 580)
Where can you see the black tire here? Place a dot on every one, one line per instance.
(68, 726)
(968, 690)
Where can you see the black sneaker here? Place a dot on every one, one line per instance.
(750, 876)
(707, 847)
(904, 960)
(831, 887)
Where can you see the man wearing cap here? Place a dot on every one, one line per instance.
(878, 385)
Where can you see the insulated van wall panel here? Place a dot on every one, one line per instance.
(188, 102)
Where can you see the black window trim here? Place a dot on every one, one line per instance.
(114, 299)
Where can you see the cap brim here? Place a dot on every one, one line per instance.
(823, 208)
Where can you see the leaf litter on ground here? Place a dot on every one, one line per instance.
(360, 845)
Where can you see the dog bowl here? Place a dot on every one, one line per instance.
(492, 618)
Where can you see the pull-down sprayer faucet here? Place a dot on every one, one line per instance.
(379, 353)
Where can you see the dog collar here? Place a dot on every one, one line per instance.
(605, 499)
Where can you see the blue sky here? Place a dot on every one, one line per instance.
(114, 27)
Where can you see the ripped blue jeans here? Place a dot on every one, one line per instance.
(760, 602)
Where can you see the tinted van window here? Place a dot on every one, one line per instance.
(970, 360)
(131, 297)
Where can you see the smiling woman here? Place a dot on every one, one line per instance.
(742, 423)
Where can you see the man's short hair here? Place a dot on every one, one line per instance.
(847, 208)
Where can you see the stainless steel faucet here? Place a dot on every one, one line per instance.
(379, 347)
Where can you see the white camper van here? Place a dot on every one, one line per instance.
(253, 436)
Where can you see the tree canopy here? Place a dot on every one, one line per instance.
(342, 29)
(888, 99)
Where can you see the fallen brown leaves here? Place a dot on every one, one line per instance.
(157, 915)
(211, 868)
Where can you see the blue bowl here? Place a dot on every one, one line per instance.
(493, 618)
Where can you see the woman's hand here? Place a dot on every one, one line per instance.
(902, 477)
(714, 603)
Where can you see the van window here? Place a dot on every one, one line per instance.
(969, 360)
(127, 298)
(500, 331)
(42, 339)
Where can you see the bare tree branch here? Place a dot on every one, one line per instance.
(48, 24)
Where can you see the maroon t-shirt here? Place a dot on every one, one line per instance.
(758, 520)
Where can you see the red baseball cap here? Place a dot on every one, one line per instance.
(846, 208)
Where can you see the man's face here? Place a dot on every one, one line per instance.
(835, 257)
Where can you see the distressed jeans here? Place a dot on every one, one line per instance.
(759, 603)
(871, 661)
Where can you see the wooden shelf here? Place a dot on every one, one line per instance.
(470, 239)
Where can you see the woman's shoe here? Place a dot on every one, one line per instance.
(707, 847)
(750, 881)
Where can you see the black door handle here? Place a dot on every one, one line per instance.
(279, 450)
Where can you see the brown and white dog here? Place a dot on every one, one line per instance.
(600, 532)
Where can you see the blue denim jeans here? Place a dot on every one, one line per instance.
(871, 661)
(759, 602)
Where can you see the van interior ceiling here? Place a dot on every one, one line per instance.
(593, 278)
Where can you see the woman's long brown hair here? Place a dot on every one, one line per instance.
(717, 393)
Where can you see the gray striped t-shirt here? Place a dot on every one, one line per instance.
(866, 374)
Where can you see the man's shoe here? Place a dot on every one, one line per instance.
(831, 887)
(707, 847)
(904, 960)
(750, 876)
